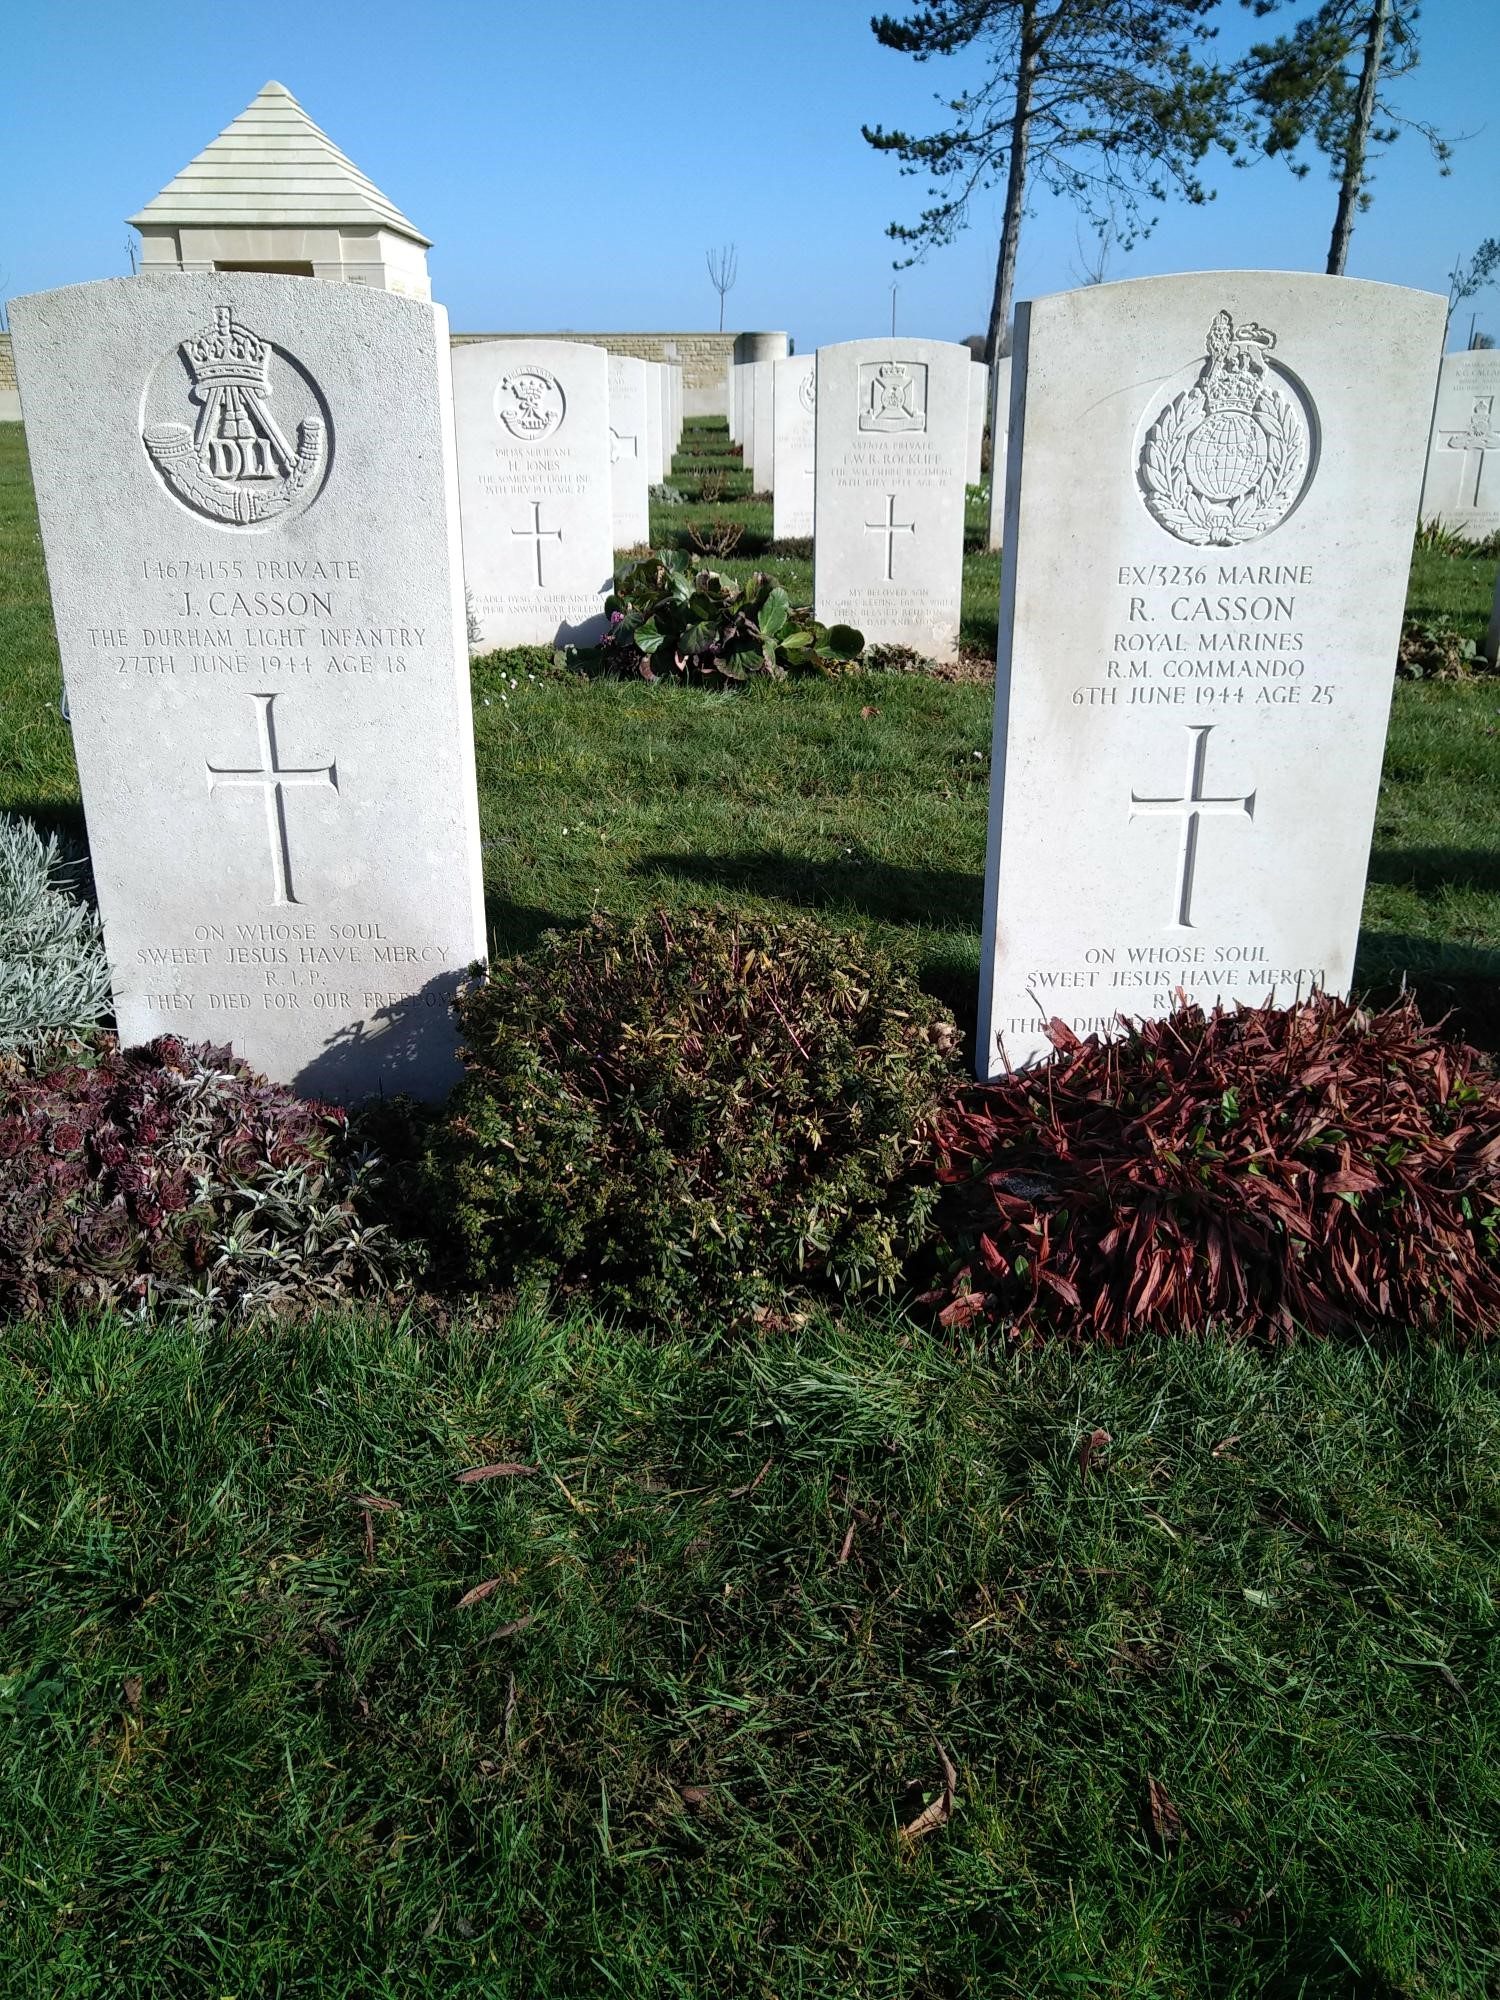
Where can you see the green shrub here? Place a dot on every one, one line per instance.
(170, 1175)
(664, 614)
(53, 977)
(1315, 1167)
(692, 1107)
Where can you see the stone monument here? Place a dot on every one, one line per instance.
(248, 505)
(1212, 497)
(629, 484)
(892, 426)
(795, 389)
(1462, 486)
(534, 490)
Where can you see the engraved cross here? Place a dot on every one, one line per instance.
(272, 776)
(1479, 439)
(536, 534)
(1192, 808)
(890, 527)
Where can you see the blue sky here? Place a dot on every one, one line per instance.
(573, 161)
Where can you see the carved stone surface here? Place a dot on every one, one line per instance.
(795, 388)
(628, 474)
(764, 452)
(1462, 487)
(999, 437)
(1197, 624)
(979, 416)
(892, 430)
(534, 488)
(266, 679)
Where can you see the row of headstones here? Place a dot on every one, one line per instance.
(867, 447)
(249, 498)
(559, 444)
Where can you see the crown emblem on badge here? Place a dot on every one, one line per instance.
(235, 465)
(1228, 459)
(892, 396)
(227, 353)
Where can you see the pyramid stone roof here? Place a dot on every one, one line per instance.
(272, 168)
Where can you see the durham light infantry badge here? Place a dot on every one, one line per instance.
(236, 464)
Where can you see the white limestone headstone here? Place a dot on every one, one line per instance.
(999, 437)
(1462, 486)
(249, 511)
(979, 400)
(765, 426)
(747, 419)
(795, 389)
(629, 484)
(892, 427)
(1213, 491)
(534, 489)
(656, 452)
(736, 397)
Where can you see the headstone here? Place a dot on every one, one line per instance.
(656, 457)
(1492, 634)
(249, 510)
(1213, 491)
(534, 489)
(765, 426)
(892, 424)
(979, 398)
(747, 419)
(629, 485)
(736, 396)
(999, 437)
(1462, 487)
(795, 389)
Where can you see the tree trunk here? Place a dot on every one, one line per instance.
(1015, 190)
(1359, 133)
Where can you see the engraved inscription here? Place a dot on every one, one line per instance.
(1227, 460)
(236, 464)
(530, 403)
(1191, 806)
(893, 396)
(272, 777)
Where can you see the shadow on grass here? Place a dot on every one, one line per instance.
(939, 897)
(1436, 867)
(1461, 982)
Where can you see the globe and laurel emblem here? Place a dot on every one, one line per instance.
(1227, 460)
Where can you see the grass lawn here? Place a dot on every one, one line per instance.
(1220, 1711)
(252, 1741)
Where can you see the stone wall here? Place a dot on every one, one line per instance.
(10, 401)
(704, 358)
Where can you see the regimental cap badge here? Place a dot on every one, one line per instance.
(530, 403)
(1227, 460)
(892, 396)
(236, 464)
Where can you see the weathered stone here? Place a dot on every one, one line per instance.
(999, 436)
(795, 390)
(248, 504)
(1213, 491)
(629, 481)
(534, 490)
(1462, 487)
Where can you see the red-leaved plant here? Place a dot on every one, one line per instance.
(1315, 1167)
(171, 1174)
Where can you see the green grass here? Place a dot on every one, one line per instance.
(243, 1751)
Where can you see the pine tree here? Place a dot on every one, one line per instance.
(1110, 103)
(1327, 81)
